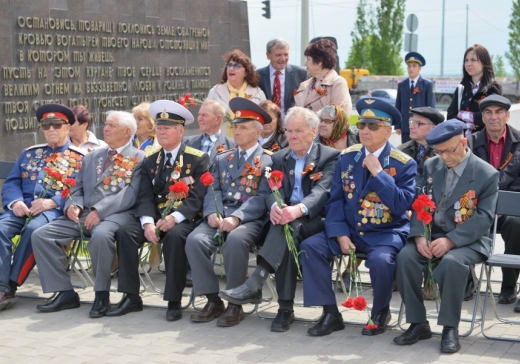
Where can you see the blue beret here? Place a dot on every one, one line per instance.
(374, 110)
(415, 58)
(495, 100)
(445, 131)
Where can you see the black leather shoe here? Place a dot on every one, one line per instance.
(100, 307)
(173, 314)
(414, 333)
(61, 302)
(381, 320)
(241, 295)
(126, 305)
(507, 295)
(469, 292)
(517, 306)
(282, 321)
(327, 325)
(450, 340)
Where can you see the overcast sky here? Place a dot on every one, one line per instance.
(487, 23)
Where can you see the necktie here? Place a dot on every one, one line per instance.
(242, 158)
(411, 87)
(167, 167)
(110, 156)
(277, 90)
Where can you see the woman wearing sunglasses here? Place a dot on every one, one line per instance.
(239, 79)
(334, 129)
(325, 85)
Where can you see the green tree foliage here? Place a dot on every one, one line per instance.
(378, 37)
(499, 65)
(514, 39)
(359, 56)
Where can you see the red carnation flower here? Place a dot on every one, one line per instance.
(65, 193)
(275, 180)
(70, 182)
(349, 303)
(424, 207)
(360, 303)
(179, 187)
(371, 326)
(207, 179)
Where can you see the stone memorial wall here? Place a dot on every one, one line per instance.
(108, 55)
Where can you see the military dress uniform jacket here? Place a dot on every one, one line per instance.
(26, 180)
(509, 168)
(371, 209)
(294, 75)
(192, 163)
(222, 143)
(407, 100)
(473, 198)
(234, 186)
(112, 192)
(315, 183)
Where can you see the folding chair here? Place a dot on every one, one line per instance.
(508, 204)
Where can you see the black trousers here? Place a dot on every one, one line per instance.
(131, 237)
(275, 253)
(509, 227)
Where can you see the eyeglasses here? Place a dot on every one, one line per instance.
(371, 126)
(326, 121)
(233, 65)
(56, 124)
(446, 151)
(417, 123)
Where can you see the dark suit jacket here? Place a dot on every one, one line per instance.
(154, 191)
(478, 176)
(294, 75)
(410, 148)
(315, 192)
(510, 162)
(195, 141)
(407, 101)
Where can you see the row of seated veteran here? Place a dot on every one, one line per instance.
(356, 199)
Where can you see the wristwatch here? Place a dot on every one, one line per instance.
(302, 209)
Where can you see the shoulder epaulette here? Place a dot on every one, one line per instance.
(400, 156)
(353, 148)
(225, 151)
(268, 152)
(76, 149)
(193, 151)
(38, 146)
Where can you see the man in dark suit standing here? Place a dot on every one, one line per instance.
(412, 92)
(103, 200)
(464, 189)
(174, 164)
(307, 169)
(211, 139)
(499, 145)
(279, 79)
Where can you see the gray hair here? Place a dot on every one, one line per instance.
(258, 125)
(276, 43)
(329, 110)
(309, 116)
(125, 119)
(217, 108)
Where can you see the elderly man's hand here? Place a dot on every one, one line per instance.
(422, 247)
(20, 209)
(73, 213)
(441, 246)
(92, 219)
(229, 224)
(149, 233)
(42, 204)
(214, 221)
(276, 214)
(289, 214)
(166, 224)
(345, 244)
(372, 163)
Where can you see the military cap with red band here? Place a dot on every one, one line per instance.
(246, 110)
(55, 112)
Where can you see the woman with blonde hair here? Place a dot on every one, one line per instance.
(145, 135)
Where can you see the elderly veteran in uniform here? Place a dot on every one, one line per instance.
(422, 121)
(236, 174)
(211, 139)
(412, 92)
(175, 163)
(29, 196)
(102, 201)
(307, 169)
(372, 187)
(499, 145)
(464, 189)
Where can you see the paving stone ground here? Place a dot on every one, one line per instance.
(28, 336)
